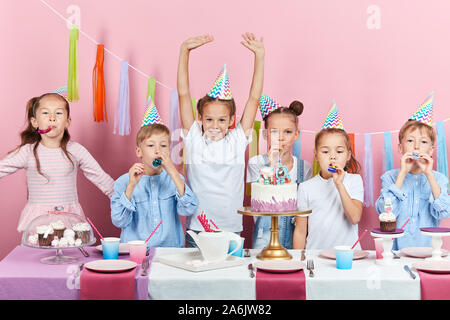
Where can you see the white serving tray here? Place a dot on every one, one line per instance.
(187, 261)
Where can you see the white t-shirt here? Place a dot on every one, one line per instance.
(215, 173)
(256, 163)
(327, 224)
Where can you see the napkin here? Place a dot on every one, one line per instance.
(280, 286)
(434, 286)
(107, 285)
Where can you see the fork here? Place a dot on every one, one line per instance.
(246, 253)
(252, 273)
(396, 256)
(303, 257)
(310, 267)
(145, 265)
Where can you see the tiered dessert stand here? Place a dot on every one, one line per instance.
(436, 240)
(274, 250)
(388, 240)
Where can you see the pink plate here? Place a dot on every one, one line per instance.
(279, 266)
(357, 254)
(420, 252)
(434, 266)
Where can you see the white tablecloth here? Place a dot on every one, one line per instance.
(366, 280)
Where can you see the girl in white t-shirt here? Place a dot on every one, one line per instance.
(281, 130)
(214, 154)
(336, 199)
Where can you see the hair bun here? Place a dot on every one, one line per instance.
(297, 107)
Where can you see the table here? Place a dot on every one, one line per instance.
(24, 277)
(366, 280)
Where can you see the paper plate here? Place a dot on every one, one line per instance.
(420, 252)
(433, 266)
(357, 254)
(110, 265)
(279, 266)
(123, 248)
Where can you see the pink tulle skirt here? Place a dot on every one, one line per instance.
(33, 210)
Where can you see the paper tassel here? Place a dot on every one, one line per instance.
(368, 171)
(315, 168)
(253, 149)
(388, 160)
(151, 89)
(442, 164)
(297, 150)
(174, 121)
(98, 84)
(194, 106)
(122, 117)
(72, 82)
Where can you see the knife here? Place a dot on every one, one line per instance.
(84, 252)
(406, 267)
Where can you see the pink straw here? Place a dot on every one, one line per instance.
(215, 226)
(90, 222)
(404, 224)
(153, 231)
(360, 237)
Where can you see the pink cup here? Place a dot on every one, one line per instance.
(379, 247)
(138, 249)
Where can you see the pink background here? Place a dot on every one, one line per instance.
(315, 51)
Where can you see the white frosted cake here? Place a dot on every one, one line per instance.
(274, 191)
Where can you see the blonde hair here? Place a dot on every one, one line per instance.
(413, 125)
(147, 131)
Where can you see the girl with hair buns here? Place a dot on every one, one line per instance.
(281, 131)
(51, 160)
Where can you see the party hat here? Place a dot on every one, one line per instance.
(425, 112)
(62, 91)
(151, 114)
(333, 119)
(267, 105)
(221, 88)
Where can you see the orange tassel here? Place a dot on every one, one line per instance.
(98, 84)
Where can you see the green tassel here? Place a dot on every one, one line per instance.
(72, 82)
(151, 89)
(194, 106)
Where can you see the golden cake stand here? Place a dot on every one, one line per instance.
(274, 250)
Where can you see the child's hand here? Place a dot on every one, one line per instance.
(254, 45)
(338, 176)
(406, 162)
(167, 163)
(196, 42)
(135, 173)
(425, 162)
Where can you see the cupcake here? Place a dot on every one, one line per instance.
(45, 235)
(33, 239)
(82, 231)
(388, 222)
(59, 228)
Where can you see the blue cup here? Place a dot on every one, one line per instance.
(344, 257)
(233, 245)
(110, 248)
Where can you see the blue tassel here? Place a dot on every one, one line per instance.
(388, 160)
(122, 123)
(297, 150)
(368, 170)
(442, 164)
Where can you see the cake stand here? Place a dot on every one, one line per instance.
(436, 240)
(274, 250)
(388, 240)
(59, 258)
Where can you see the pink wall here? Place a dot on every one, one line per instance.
(315, 51)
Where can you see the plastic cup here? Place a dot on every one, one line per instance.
(344, 257)
(110, 247)
(138, 249)
(379, 247)
(240, 251)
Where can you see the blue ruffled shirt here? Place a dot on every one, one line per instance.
(414, 201)
(154, 198)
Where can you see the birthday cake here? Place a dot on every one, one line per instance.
(274, 191)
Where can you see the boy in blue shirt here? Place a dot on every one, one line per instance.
(148, 194)
(417, 192)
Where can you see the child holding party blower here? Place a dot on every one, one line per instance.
(51, 160)
(215, 155)
(334, 195)
(152, 190)
(281, 131)
(416, 191)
